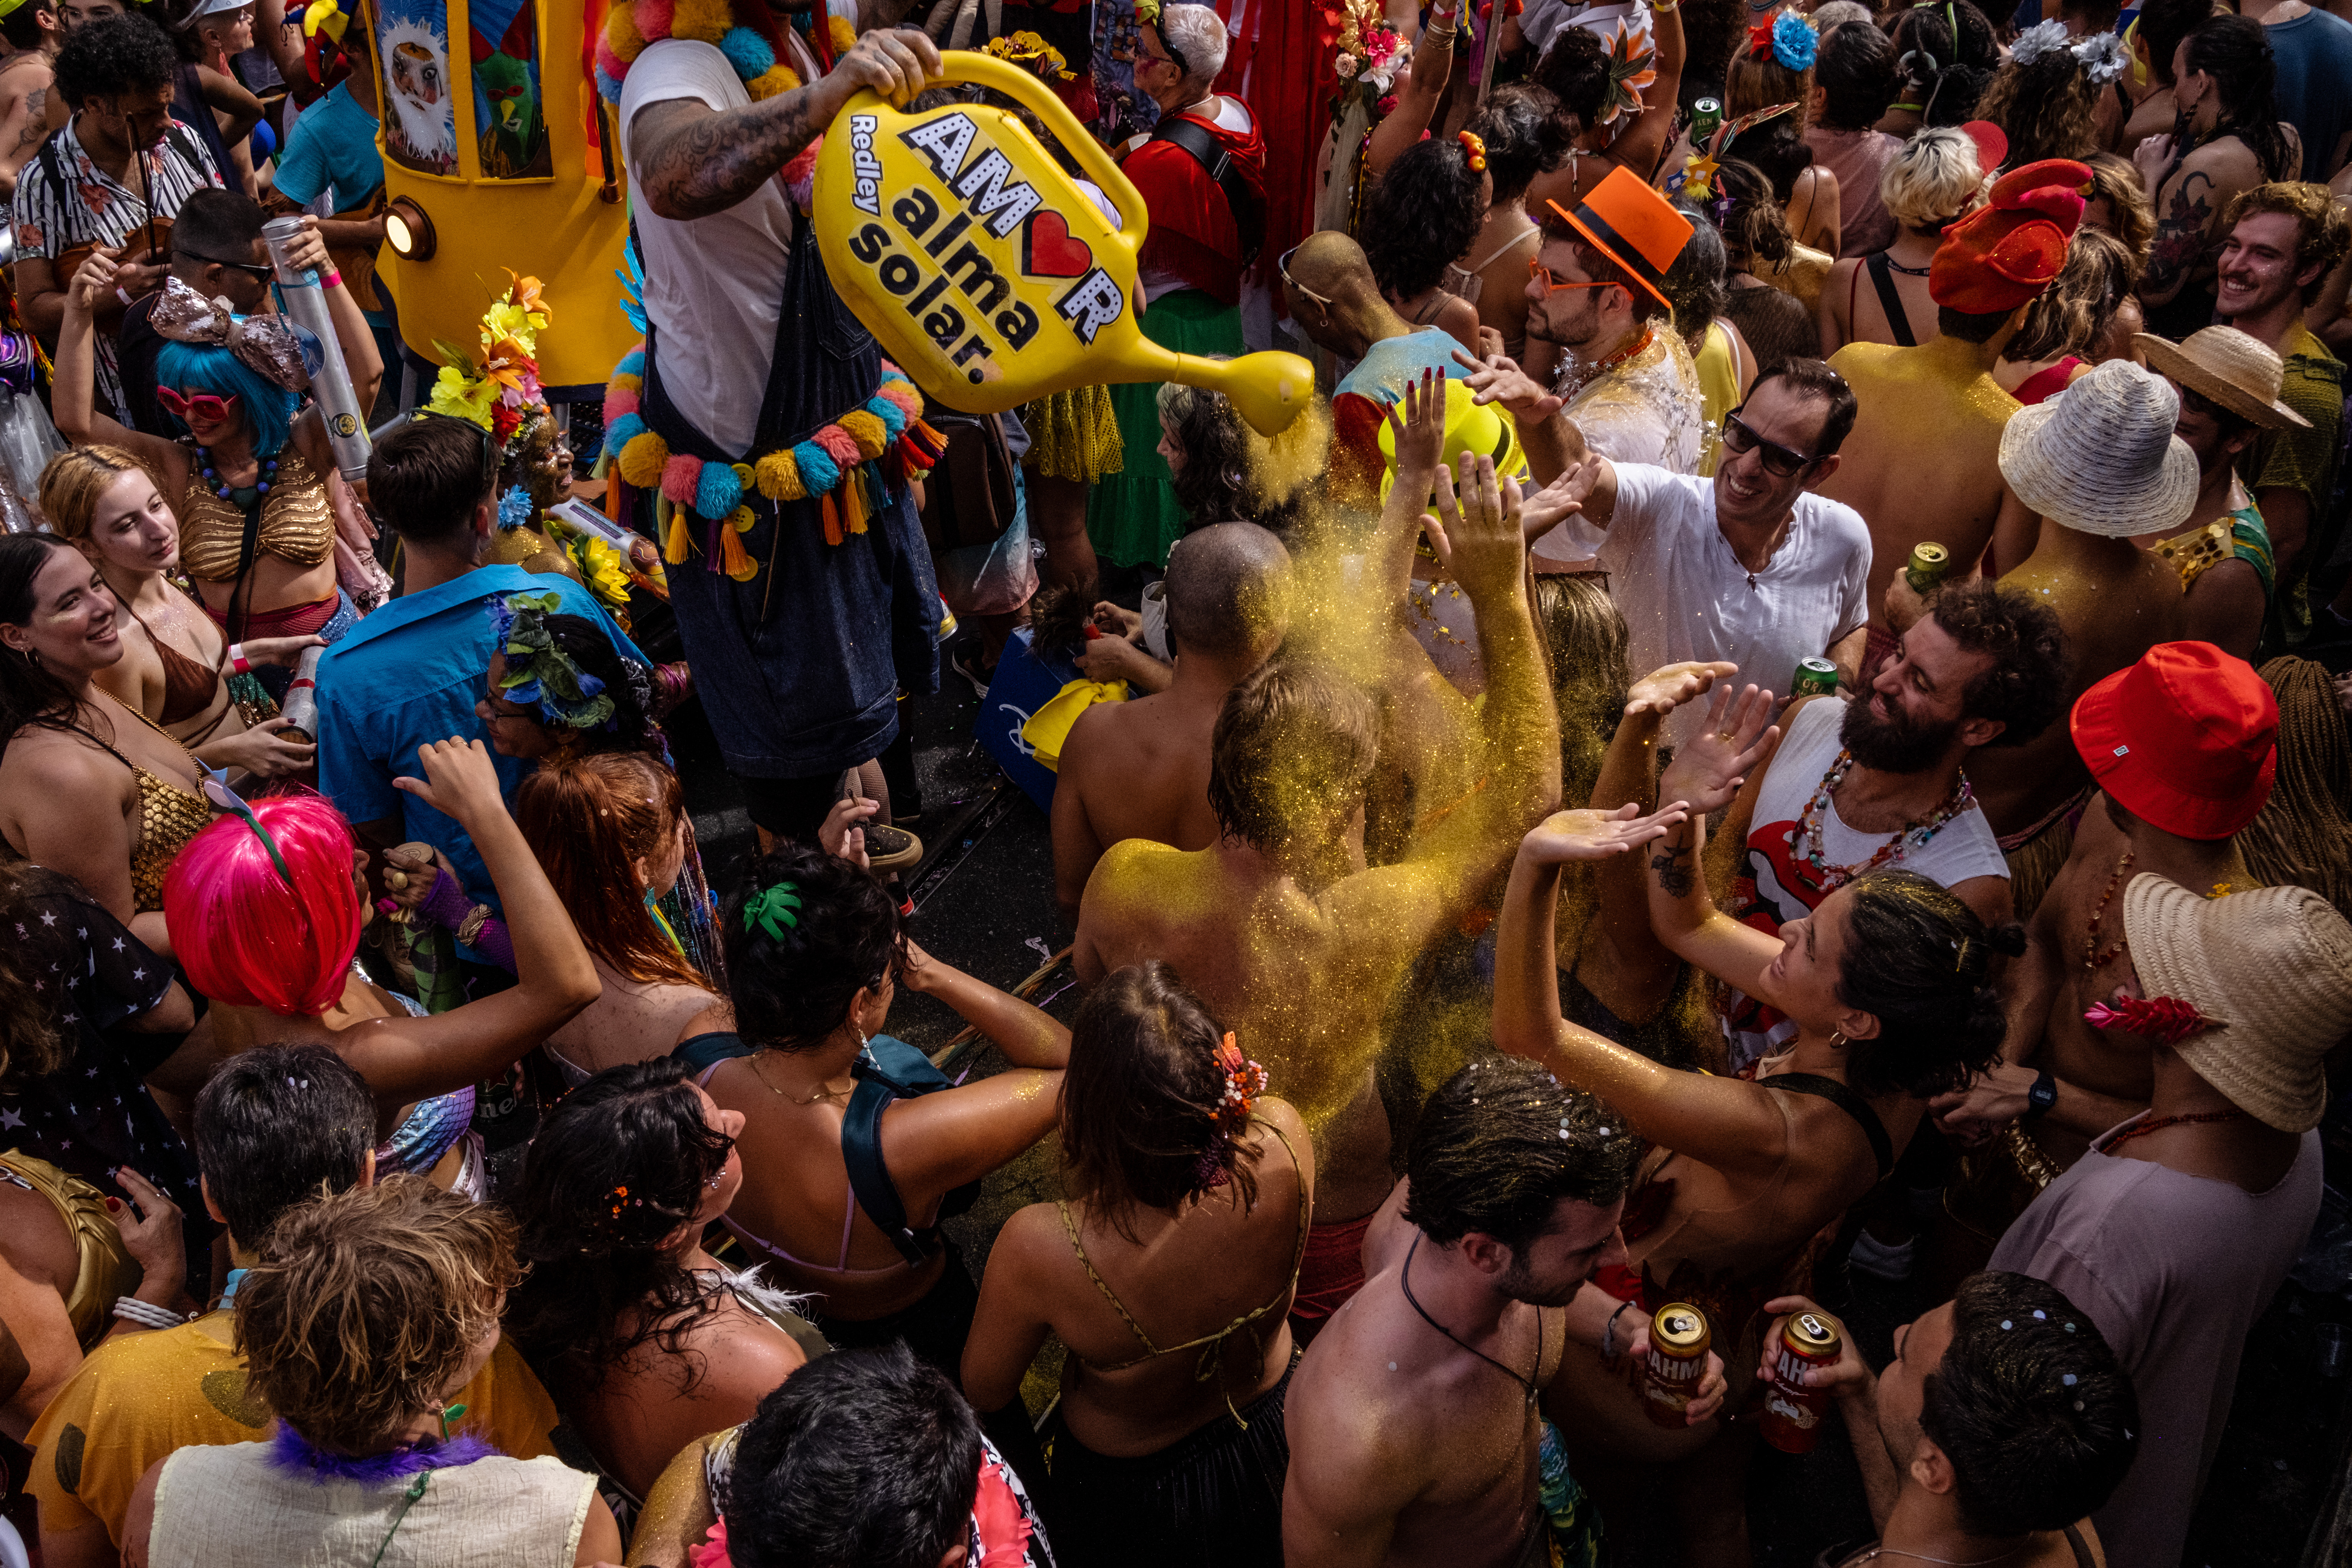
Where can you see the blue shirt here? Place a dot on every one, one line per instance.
(1388, 363)
(332, 149)
(2314, 55)
(410, 673)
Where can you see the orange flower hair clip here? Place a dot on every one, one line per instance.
(1475, 146)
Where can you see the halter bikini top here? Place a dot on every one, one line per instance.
(169, 815)
(297, 525)
(188, 684)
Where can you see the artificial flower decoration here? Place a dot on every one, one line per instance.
(1632, 63)
(629, 27)
(2041, 38)
(460, 394)
(2168, 1020)
(538, 674)
(514, 507)
(2103, 57)
(1032, 52)
(1794, 42)
(1760, 39)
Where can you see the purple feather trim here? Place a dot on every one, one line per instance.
(294, 1454)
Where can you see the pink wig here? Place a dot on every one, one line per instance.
(245, 937)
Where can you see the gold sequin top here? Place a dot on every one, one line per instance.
(297, 525)
(168, 817)
(105, 1270)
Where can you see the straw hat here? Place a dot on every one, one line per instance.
(1632, 226)
(2238, 371)
(2270, 969)
(2101, 456)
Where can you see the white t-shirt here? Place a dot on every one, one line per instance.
(1777, 883)
(1544, 20)
(714, 285)
(1685, 594)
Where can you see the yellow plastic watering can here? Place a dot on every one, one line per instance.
(984, 270)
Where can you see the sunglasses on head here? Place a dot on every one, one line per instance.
(259, 273)
(1282, 265)
(1785, 461)
(210, 407)
(1550, 280)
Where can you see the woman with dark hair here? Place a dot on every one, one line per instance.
(1525, 137)
(2228, 138)
(1614, 116)
(1697, 287)
(1421, 219)
(853, 1145)
(1887, 982)
(1854, 76)
(1756, 239)
(89, 786)
(1169, 1275)
(1775, 72)
(1945, 54)
(645, 1339)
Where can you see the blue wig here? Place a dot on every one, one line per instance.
(206, 367)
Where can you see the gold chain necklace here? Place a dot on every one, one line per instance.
(824, 1091)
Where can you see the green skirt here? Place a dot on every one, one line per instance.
(1132, 516)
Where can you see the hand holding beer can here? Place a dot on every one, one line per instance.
(1679, 1339)
(1927, 565)
(1792, 1413)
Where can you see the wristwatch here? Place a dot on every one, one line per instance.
(2043, 1095)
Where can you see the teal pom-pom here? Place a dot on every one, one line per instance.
(819, 472)
(632, 364)
(621, 431)
(748, 52)
(893, 417)
(716, 493)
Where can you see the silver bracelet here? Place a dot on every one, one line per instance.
(1609, 1334)
(148, 1315)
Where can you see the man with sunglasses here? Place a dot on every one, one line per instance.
(1750, 566)
(216, 251)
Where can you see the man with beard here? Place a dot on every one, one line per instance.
(1750, 566)
(1414, 1431)
(2283, 240)
(1879, 780)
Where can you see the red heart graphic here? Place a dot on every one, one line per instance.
(1048, 249)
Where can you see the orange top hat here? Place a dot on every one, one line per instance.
(2007, 250)
(1633, 226)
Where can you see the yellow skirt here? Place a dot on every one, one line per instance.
(1074, 434)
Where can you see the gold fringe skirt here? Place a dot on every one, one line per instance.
(1074, 434)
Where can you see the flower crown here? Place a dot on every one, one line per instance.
(1629, 73)
(540, 674)
(501, 389)
(1032, 52)
(1245, 1081)
(1789, 38)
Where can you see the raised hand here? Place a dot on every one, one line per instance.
(1709, 768)
(151, 1230)
(1662, 691)
(459, 780)
(1498, 379)
(1847, 1375)
(843, 833)
(1419, 436)
(1475, 530)
(1587, 835)
(1554, 504)
(1706, 1400)
(94, 279)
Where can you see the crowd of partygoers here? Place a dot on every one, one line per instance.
(1771, 723)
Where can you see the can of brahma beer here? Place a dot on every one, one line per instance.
(1678, 1346)
(1792, 1413)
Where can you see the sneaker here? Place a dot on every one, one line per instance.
(888, 847)
(963, 658)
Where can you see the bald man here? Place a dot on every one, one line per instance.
(1139, 769)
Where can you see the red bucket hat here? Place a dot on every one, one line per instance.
(2009, 250)
(2186, 740)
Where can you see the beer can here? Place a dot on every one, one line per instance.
(1929, 562)
(1679, 1345)
(1792, 1413)
(1814, 678)
(1707, 115)
(300, 708)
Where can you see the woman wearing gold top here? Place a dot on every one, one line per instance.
(249, 484)
(87, 786)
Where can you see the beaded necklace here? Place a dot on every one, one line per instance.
(1581, 375)
(2128, 1133)
(2092, 958)
(227, 493)
(1911, 836)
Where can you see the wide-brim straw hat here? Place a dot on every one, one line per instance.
(2234, 369)
(2271, 968)
(2101, 456)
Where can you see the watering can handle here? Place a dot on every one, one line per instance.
(987, 70)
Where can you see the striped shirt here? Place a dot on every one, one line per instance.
(100, 210)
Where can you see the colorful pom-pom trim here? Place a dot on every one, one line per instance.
(831, 468)
(629, 27)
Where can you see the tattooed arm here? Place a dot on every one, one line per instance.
(694, 160)
(2179, 253)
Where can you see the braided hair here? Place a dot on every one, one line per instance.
(2303, 836)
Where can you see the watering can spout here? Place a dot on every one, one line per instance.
(1268, 389)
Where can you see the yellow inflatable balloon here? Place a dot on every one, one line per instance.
(987, 273)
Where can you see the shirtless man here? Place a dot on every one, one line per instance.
(2181, 745)
(1278, 926)
(2098, 464)
(1963, 1452)
(1412, 1420)
(1921, 464)
(1139, 769)
(33, 35)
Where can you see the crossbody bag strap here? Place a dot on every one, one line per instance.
(1213, 156)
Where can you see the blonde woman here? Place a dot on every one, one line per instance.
(176, 662)
(1938, 178)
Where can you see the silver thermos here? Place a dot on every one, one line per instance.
(304, 298)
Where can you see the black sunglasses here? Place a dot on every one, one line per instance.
(259, 273)
(1785, 461)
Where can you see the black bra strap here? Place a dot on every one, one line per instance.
(1845, 1099)
(1898, 322)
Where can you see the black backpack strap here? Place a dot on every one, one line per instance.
(1249, 214)
(1845, 1099)
(177, 134)
(887, 1070)
(702, 1052)
(1898, 320)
